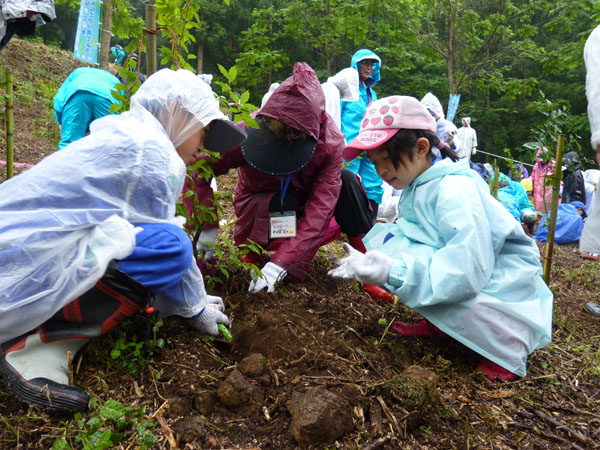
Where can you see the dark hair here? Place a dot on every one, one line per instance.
(282, 130)
(402, 144)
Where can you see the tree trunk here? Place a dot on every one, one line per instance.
(200, 65)
(151, 57)
(105, 33)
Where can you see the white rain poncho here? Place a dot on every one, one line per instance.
(62, 221)
(343, 86)
(468, 139)
(446, 131)
(268, 93)
(17, 9)
(590, 237)
(464, 263)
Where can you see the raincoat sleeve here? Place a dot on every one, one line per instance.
(462, 266)
(591, 56)
(319, 207)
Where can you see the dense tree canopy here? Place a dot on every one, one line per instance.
(517, 64)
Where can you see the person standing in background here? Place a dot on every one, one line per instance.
(468, 138)
(368, 65)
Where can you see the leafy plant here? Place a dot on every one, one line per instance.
(48, 127)
(109, 424)
(228, 261)
(124, 90)
(129, 354)
(558, 121)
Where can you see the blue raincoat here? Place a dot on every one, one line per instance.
(465, 264)
(86, 95)
(569, 225)
(352, 114)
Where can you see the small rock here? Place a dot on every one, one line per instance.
(252, 365)
(264, 380)
(178, 407)
(204, 402)
(319, 416)
(264, 320)
(239, 394)
(211, 442)
(190, 430)
(421, 374)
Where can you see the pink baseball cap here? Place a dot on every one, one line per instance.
(383, 118)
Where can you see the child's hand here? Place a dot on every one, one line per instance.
(208, 321)
(271, 274)
(372, 267)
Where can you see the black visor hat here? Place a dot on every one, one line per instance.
(273, 155)
(223, 136)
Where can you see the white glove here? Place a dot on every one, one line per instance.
(474, 151)
(372, 267)
(206, 238)
(212, 315)
(271, 274)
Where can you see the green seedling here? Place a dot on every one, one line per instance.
(225, 332)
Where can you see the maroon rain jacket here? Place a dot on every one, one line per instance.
(299, 102)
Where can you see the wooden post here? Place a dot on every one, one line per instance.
(496, 182)
(151, 65)
(10, 126)
(105, 33)
(551, 223)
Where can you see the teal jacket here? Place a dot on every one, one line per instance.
(352, 114)
(464, 263)
(96, 81)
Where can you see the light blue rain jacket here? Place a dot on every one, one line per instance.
(466, 265)
(75, 124)
(517, 190)
(352, 114)
(96, 81)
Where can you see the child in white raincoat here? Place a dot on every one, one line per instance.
(89, 236)
(455, 255)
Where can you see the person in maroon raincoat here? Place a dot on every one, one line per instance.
(292, 188)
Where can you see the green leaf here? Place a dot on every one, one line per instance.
(112, 409)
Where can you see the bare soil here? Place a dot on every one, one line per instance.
(401, 393)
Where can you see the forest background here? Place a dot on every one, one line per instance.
(518, 65)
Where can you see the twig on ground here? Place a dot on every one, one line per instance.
(558, 424)
(521, 425)
(378, 443)
(389, 414)
(166, 429)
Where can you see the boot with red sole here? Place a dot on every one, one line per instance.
(423, 329)
(493, 371)
(378, 293)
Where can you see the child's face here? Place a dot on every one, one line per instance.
(193, 145)
(406, 172)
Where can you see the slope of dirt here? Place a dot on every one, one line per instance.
(400, 393)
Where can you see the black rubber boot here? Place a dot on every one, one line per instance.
(35, 366)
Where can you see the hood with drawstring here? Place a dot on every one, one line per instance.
(363, 54)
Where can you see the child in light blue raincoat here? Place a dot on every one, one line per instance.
(455, 254)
